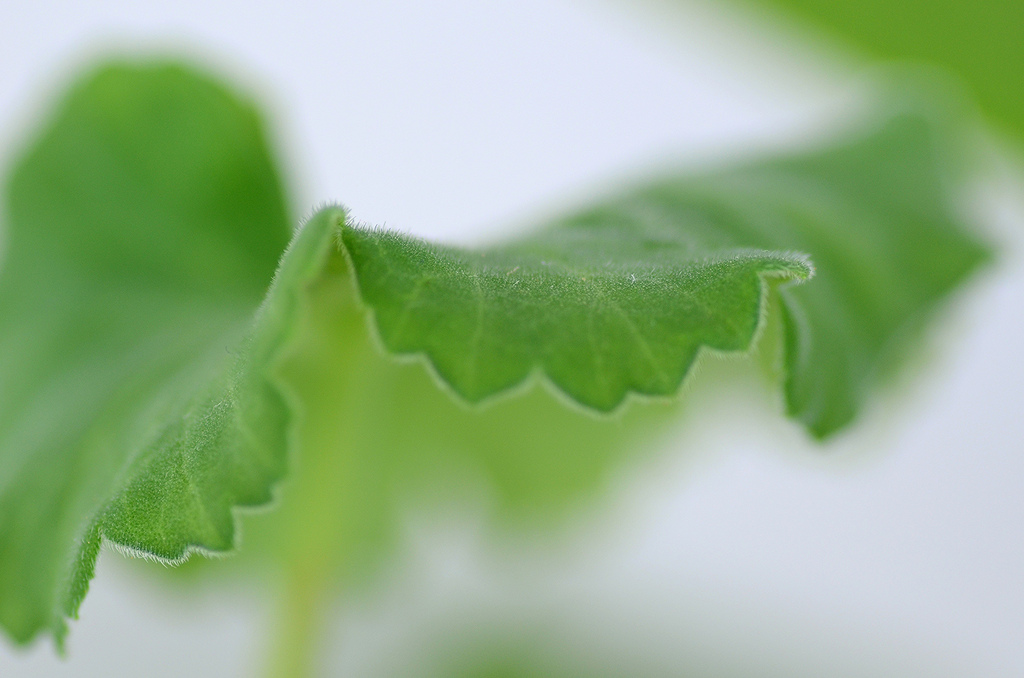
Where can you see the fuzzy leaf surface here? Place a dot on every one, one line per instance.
(603, 305)
(145, 224)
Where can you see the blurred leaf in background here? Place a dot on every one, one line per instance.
(982, 43)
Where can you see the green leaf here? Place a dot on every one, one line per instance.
(604, 304)
(145, 226)
(620, 297)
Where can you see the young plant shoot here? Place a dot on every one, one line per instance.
(167, 357)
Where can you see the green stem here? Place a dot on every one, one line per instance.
(297, 637)
(316, 502)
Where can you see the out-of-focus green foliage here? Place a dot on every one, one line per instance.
(516, 657)
(981, 42)
(140, 401)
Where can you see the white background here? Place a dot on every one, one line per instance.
(897, 549)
